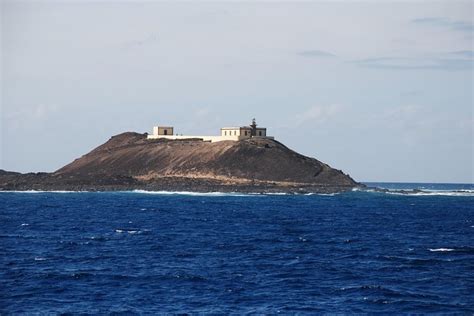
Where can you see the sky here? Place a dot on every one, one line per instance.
(381, 90)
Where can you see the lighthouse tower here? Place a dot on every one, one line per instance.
(254, 127)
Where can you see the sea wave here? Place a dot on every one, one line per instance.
(417, 192)
(40, 259)
(42, 191)
(137, 191)
(189, 193)
(216, 193)
(440, 249)
(435, 193)
(322, 194)
(461, 249)
(130, 231)
(227, 193)
(375, 190)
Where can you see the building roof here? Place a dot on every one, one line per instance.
(237, 127)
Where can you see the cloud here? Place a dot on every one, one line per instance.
(454, 25)
(317, 114)
(315, 53)
(408, 63)
(141, 42)
(401, 113)
(410, 122)
(28, 115)
(411, 93)
(34, 112)
(463, 53)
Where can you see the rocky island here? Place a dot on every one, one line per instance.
(133, 161)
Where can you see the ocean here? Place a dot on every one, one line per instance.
(162, 252)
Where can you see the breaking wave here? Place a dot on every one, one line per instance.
(461, 192)
(228, 193)
(434, 193)
(189, 193)
(440, 249)
(43, 191)
(465, 250)
(417, 192)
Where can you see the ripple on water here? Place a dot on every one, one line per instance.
(355, 252)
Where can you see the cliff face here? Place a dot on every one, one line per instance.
(129, 160)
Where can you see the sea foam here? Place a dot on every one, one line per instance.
(412, 192)
(43, 191)
(440, 249)
(189, 193)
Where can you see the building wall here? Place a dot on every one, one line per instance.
(212, 139)
(163, 130)
(261, 132)
(245, 132)
(227, 133)
(230, 131)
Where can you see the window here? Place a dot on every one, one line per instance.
(245, 133)
(225, 133)
(166, 132)
(260, 133)
(235, 133)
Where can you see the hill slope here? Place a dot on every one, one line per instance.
(130, 161)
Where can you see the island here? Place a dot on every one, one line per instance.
(242, 159)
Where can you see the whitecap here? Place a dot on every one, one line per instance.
(457, 193)
(39, 259)
(42, 191)
(249, 194)
(130, 231)
(440, 249)
(323, 194)
(25, 224)
(446, 192)
(188, 193)
(16, 191)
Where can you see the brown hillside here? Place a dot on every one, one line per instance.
(262, 160)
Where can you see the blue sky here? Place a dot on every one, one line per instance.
(381, 90)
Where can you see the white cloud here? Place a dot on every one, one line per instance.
(318, 114)
(401, 113)
(30, 115)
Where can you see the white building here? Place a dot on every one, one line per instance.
(227, 133)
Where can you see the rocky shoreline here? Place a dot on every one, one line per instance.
(50, 182)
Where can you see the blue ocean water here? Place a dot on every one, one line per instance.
(136, 252)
